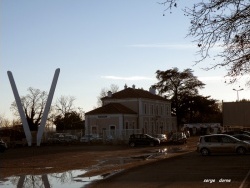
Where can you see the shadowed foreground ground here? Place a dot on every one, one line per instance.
(61, 158)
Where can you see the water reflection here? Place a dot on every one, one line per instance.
(69, 179)
(74, 179)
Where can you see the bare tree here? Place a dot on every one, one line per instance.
(4, 122)
(33, 104)
(65, 115)
(223, 23)
(104, 92)
(64, 105)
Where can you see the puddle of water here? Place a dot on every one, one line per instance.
(74, 178)
(124, 160)
(69, 179)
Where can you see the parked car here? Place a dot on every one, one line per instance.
(87, 138)
(108, 139)
(54, 140)
(242, 137)
(3, 146)
(221, 143)
(62, 137)
(143, 139)
(90, 138)
(70, 138)
(162, 137)
(178, 137)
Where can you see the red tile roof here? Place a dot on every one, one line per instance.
(111, 108)
(134, 93)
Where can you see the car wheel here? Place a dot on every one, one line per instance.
(241, 150)
(205, 152)
(152, 144)
(132, 144)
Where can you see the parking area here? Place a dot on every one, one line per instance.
(69, 156)
(160, 166)
(188, 170)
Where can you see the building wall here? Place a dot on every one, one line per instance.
(159, 126)
(130, 122)
(111, 124)
(156, 108)
(236, 114)
(96, 124)
(144, 106)
(154, 117)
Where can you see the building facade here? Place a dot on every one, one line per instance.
(130, 111)
(236, 115)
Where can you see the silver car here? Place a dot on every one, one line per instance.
(221, 143)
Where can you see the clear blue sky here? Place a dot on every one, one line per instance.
(95, 44)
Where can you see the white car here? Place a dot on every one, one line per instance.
(221, 143)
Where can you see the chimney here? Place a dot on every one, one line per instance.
(109, 94)
(125, 87)
(133, 86)
(152, 90)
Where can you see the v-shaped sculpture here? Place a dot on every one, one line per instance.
(46, 109)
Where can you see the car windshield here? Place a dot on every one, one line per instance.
(148, 136)
(242, 137)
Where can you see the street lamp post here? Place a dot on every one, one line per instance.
(237, 90)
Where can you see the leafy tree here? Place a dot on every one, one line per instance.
(70, 121)
(224, 23)
(199, 109)
(33, 104)
(175, 84)
(113, 88)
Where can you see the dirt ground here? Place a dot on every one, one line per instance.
(60, 158)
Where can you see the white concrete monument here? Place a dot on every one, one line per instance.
(20, 109)
(45, 113)
(47, 107)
